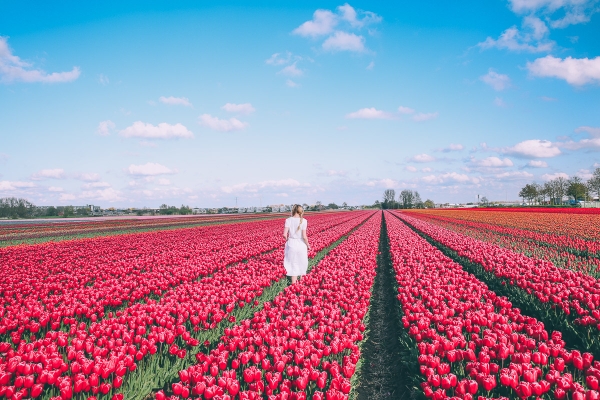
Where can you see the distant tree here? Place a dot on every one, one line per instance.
(407, 198)
(319, 206)
(51, 211)
(139, 213)
(484, 201)
(429, 204)
(305, 206)
(68, 211)
(389, 196)
(185, 210)
(12, 207)
(577, 189)
(82, 212)
(594, 183)
(332, 206)
(377, 204)
(418, 203)
(560, 186)
(344, 204)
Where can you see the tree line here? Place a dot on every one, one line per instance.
(406, 199)
(12, 207)
(554, 191)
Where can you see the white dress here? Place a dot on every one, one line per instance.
(295, 260)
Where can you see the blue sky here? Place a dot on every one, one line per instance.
(139, 104)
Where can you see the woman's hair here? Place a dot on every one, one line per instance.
(297, 209)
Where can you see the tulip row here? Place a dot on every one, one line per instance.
(96, 359)
(564, 252)
(472, 342)
(576, 294)
(49, 285)
(303, 344)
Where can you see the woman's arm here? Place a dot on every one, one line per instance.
(305, 238)
(286, 230)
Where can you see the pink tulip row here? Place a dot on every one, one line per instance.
(573, 292)
(301, 345)
(95, 359)
(472, 342)
(51, 284)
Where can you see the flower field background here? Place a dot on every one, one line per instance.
(413, 304)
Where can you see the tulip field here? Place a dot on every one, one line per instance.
(488, 304)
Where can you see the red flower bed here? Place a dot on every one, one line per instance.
(472, 342)
(94, 357)
(301, 345)
(573, 292)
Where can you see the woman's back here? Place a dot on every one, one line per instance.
(293, 223)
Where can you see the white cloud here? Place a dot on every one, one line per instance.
(56, 173)
(244, 108)
(576, 71)
(55, 189)
(15, 185)
(574, 11)
(406, 110)
(369, 113)
(537, 164)
(349, 14)
(453, 177)
(333, 172)
(291, 70)
(371, 65)
(94, 185)
(149, 169)
(67, 197)
(343, 41)
(161, 131)
(534, 148)
(269, 185)
(594, 132)
(422, 158)
(513, 175)
(145, 143)
(410, 168)
(532, 38)
(109, 194)
(549, 177)
(453, 147)
(103, 79)
(584, 174)
(89, 177)
(492, 162)
(546, 98)
(386, 183)
(426, 169)
(222, 125)
(291, 83)
(322, 23)
(498, 102)
(495, 80)
(176, 101)
(13, 69)
(277, 59)
(425, 116)
(105, 127)
(164, 181)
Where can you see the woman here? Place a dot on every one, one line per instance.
(296, 248)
